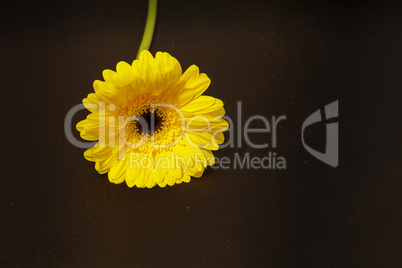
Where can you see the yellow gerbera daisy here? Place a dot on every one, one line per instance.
(152, 123)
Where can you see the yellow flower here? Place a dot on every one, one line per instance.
(152, 123)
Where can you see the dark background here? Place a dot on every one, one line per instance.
(278, 58)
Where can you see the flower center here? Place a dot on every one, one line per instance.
(155, 125)
(150, 121)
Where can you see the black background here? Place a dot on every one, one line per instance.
(277, 58)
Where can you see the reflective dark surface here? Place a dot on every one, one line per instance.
(277, 59)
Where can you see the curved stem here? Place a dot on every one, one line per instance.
(149, 27)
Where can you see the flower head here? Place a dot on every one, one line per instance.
(152, 123)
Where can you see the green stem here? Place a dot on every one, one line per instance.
(149, 27)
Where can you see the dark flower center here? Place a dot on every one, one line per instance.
(149, 122)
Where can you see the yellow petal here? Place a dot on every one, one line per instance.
(202, 140)
(193, 87)
(169, 68)
(98, 154)
(117, 173)
(170, 180)
(186, 178)
(122, 67)
(81, 125)
(186, 159)
(91, 102)
(191, 73)
(132, 174)
(108, 75)
(206, 124)
(145, 56)
(96, 85)
(155, 84)
(89, 137)
(143, 177)
(202, 103)
(105, 165)
(151, 181)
